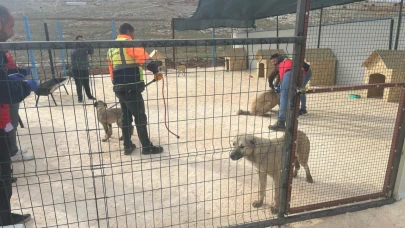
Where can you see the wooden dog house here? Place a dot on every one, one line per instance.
(264, 65)
(235, 59)
(323, 66)
(385, 66)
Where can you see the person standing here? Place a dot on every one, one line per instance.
(79, 60)
(17, 154)
(282, 68)
(125, 66)
(13, 89)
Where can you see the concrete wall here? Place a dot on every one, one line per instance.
(352, 43)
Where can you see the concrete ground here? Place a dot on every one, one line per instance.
(78, 181)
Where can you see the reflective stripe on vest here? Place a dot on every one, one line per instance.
(120, 59)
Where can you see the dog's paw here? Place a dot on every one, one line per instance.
(274, 209)
(257, 203)
(105, 140)
(309, 179)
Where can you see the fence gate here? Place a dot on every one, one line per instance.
(355, 140)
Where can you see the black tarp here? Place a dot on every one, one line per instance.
(242, 13)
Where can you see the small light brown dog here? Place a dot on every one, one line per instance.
(107, 117)
(263, 103)
(181, 69)
(266, 157)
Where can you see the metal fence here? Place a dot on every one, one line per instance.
(77, 180)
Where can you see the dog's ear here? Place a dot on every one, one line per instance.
(95, 104)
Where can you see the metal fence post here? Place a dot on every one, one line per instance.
(320, 29)
(399, 25)
(301, 28)
(49, 50)
(277, 32)
(174, 49)
(213, 48)
(62, 52)
(31, 53)
(391, 34)
(114, 30)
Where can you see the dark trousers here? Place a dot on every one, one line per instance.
(132, 104)
(81, 78)
(5, 180)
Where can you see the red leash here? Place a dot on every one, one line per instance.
(164, 102)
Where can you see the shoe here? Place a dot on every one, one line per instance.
(16, 220)
(19, 157)
(302, 112)
(22, 150)
(80, 101)
(91, 98)
(20, 219)
(152, 150)
(13, 180)
(130, 150)
(278, 126)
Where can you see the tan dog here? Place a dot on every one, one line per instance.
(262, 104)
(181, 69)
(266, 157)
(107, 117)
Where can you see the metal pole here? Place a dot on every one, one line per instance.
(278, 45)
(396, 148)
(114, 30)
(62, 53)
(301, 28)
(399, 24)
(31, 53)
(391, 34)
(247, 49)
(49, 50)
(174, 49)
(320, 29)
(213, 48)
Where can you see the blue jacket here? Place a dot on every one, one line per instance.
(11, 91)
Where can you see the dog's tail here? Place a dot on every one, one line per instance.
(241, 112)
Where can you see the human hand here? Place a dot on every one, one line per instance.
(271, 86)
(158, 76)
(277, 90)
(27, 70)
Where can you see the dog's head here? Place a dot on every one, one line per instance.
(243, 145)
(100, 104)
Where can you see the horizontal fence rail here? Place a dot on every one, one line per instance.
(38, 45)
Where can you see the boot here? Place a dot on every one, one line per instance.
(278, 126)
(147, 146)
(151, 149)
(128, 151)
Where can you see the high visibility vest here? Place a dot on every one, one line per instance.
(120, 59)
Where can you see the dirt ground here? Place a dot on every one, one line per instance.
(78, 181)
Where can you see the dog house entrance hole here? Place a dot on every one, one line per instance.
(376, 92)
(261, 70)
(227, 64)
